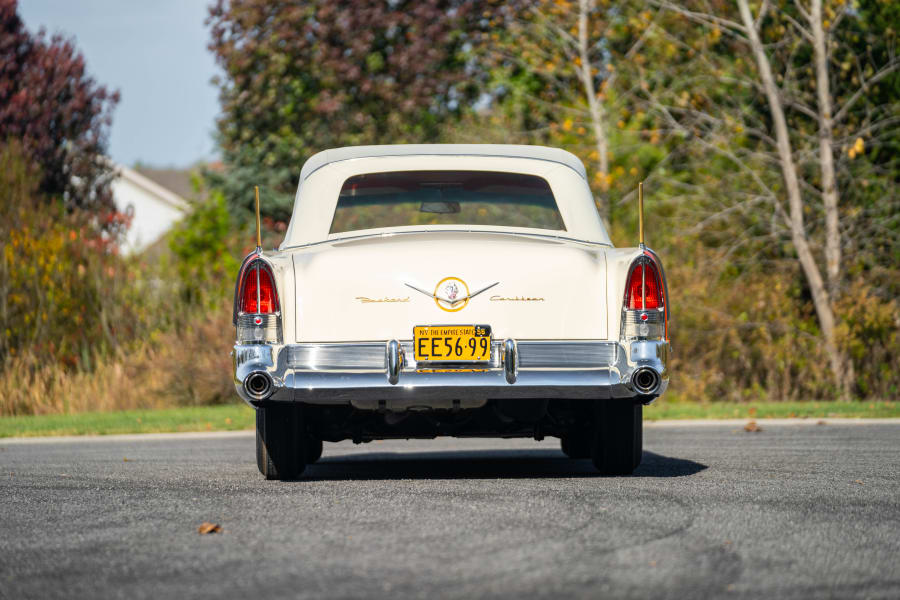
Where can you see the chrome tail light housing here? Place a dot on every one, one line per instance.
(257, 307)
(645, 309)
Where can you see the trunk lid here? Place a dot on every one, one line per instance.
(356, 290)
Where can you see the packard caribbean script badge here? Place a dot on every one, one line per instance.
(515, 299)
(367, 300)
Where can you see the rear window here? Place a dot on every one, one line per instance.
(402, 198)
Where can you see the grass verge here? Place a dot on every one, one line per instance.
(771, 410)
(227, 417)
(232, 417)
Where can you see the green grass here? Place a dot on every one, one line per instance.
(227, 417)
(770, 410)
(232, 417)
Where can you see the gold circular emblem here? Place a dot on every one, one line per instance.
(451, 294)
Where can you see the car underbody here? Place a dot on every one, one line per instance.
(505, 418)
(289, 436)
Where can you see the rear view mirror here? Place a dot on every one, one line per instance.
(439, 207)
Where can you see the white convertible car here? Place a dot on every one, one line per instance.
(449, 290)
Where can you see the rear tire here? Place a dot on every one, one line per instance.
(618, 437)
(576, 444)
(281, 442)
(313, 450)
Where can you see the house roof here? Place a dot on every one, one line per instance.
(319, 160)
(164, 194)
(174, 180)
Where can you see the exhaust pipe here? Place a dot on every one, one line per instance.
(645, 380)
(258, 385)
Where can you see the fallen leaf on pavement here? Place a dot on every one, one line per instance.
(821, 422)
(124, 459)
(859, 481)
(752, 427)
(207, 527)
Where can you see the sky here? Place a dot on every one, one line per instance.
(154, 52)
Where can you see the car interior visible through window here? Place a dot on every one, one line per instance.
(486, 198)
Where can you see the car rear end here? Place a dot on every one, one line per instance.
(451, 326)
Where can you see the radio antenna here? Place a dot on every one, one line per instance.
(259, 228)
(641, 213)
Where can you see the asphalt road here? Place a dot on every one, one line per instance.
(789, 512)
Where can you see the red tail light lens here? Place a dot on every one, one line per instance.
(260, 298)
(643, 291)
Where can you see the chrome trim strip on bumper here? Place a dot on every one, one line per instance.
(569, 355)
(370, 356)
(337, 357)
(336, 373)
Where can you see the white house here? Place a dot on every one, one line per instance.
(154, 208)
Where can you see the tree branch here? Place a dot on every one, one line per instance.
(881, 74)
(702, 18)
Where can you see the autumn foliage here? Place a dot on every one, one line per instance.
(303, 77)
(639, 92)
(84, 328)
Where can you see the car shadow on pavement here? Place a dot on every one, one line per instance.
(479, 464)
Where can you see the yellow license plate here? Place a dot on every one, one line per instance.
(452, 343)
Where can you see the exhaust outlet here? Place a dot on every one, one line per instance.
(258, 385)
(645, 380)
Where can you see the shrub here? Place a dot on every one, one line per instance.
(84, 328)
(752, 335)
(64, 291)
(200, 245)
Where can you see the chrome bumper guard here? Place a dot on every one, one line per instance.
(384, 375)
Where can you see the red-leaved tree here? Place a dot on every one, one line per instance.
(57, 113)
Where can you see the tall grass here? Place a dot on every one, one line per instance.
(85, 329)
(187, 366)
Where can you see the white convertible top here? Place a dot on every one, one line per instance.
(324, 173)
(320, 159)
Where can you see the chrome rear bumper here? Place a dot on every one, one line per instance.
(383, 375)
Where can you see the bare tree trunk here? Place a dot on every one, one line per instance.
(826, 152)
(596, 108)
(820, 296)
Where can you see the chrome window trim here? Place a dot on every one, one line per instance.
(453, 176)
